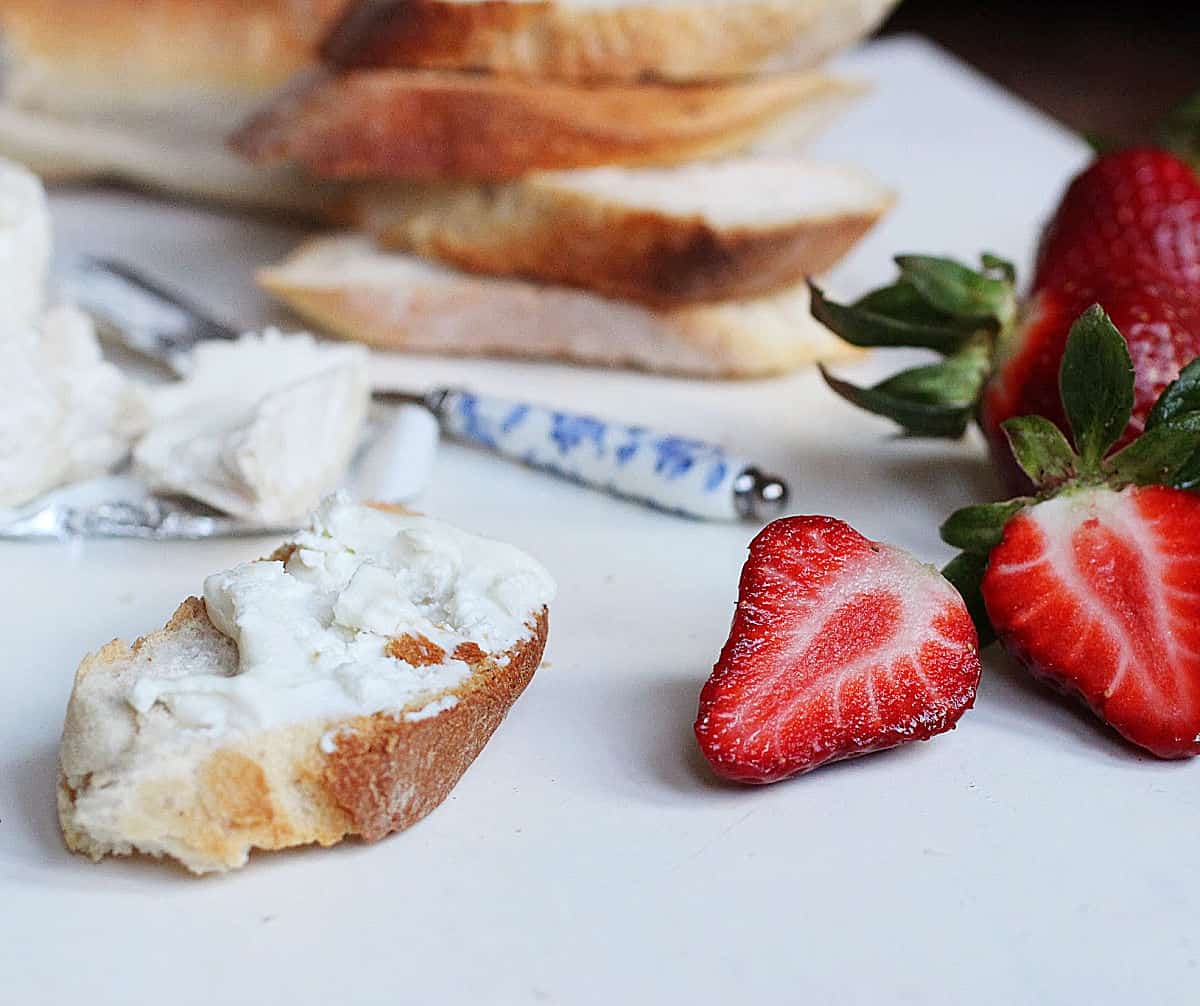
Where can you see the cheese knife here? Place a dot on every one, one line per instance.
(679, 474)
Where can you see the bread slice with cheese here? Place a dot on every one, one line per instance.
(339, 688)
(590, 40)
(348, 287)
(427, 125)
(665, 237)
(147, 90)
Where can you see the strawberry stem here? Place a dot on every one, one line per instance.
(937, 304)
(1096, 384)
(1179, 132)
(1041, 450)
(965, 572)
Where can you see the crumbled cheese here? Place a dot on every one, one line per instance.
(24, 247)
(261, 427)
(65, 413)
(313, 632)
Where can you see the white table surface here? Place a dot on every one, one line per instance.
(588, 856)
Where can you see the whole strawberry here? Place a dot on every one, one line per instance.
(1126, 235)
(1094, 583)
(839, 646)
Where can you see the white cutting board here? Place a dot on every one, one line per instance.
(588, 856)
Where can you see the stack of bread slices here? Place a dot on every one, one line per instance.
(611, 182)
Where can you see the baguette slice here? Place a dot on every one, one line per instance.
(198, 167)
(348, 287)
(583, 40)
(146, 91)
(430, 126)
(93, 60)
(661, 236)
(147, 781)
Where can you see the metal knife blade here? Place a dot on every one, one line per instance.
(156, 518)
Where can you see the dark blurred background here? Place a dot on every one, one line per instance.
(1103, 67)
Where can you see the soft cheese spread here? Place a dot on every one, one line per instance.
(24, 246)
(65, 413)
(372, 611)
(261, 427)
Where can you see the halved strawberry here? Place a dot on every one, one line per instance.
(839, 646)
(1094, 584)
(1099, 592)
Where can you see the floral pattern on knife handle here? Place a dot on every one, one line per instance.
(673, 473)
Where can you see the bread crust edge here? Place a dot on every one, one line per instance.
(638, 255)
(384, 772)
(227, 47)
(433, 126)
(544, 39)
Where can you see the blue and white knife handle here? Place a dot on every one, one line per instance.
(673, 473)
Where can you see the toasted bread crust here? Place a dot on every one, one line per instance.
(147, 90)
(429, 126)
(738, 339)
(285, 788)
(681, 42)
(388, 773)
(239, 45)
(639, 255)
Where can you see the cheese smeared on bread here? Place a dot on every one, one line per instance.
(340, 687)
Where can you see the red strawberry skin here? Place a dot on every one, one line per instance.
(840, 646)
(1127, 236)
(1098, 592)
(1133, 214)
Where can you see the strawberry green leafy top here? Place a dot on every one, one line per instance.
(1096, 384)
